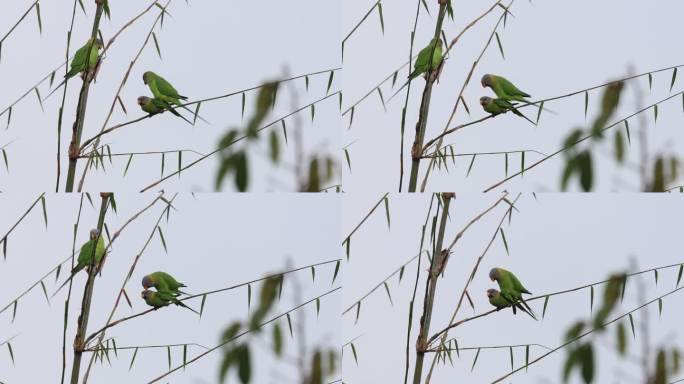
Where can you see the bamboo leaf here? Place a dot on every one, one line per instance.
(586, 103)
(161, 236)
(465, 105)
(313, 111)
(674, 78)
(477, 354)
(650, 81)
(503, 237)
(128, 300)
(498, 42)
(289, 325)
(318, 306)
(168, 355)
(527, 357)
(40, 22)
(180, 163)
(546, 303)
(401, 273)
(243, 105)
(197, 108)
(306, 82)
(156, 44)
(135, 353)
(387, 212)
(541, 107)
(330, 81)
(522, 163)
(313, 274)
(382, 21)
(249, 296)
(655, 276)
(163, 160)
(347, 246)
(660, 307)
(356, 358)
(337, 270)
(629, 137)
(591, 300)
(128, 163)
(45, 218)
(388, 293)
(4, 156)
(358, 311)
(40, 101)
(14, 308)
(506, 164)
(510, 349)
(282, 122)
(655, 113)
(9, 348)
(470, 167)
(185, 355)
(346, 155)
(382, 99)
(631, 324)
(9, 118)
(204, 300)
(679, 274)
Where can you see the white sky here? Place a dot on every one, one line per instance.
(557, 242)
(208, 49)
(213, 242)
(551, 48)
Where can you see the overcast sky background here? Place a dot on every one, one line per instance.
(213, 242)
(208, 49)
(557, 242)
(551, 48)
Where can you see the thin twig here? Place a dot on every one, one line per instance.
(96, 349)
(18, 21)
(121, 320)
(242, 334)
(583, 334)
(215, 151)
(565, 148)
(441, 349)
(4, 237)
(365, 217)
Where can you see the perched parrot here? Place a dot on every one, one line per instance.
(423, 63)
(154, 106)
(503, 88)
(499, 302)
(159, 299)
(511, 288)
(86, 254)
(499, 106)
(164, 91)
(79, 61)
(163, 282)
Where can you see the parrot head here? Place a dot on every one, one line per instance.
(145, 294)
(94, 233)
(494, 274)
(491, 293)
(147, 282)
(146, 76)
(143, 100)
(486, 80)
(485, 100)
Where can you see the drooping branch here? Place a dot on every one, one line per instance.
(242, 334)
(365, 217)
(584, 138)
(583, 334)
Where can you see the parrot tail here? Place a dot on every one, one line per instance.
(531, 312)
(526, 311)
(515, 111)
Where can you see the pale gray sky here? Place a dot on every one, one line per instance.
(551, 48)
(208, 49)
(213, 242)
(557, 242)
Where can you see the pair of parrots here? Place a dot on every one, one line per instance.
(167, 290)
(510, 294)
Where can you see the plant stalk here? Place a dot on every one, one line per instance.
(77, 130)
(79, 345)
(431, 77)
(438, 260)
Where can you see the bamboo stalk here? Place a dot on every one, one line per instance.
(87, 293)
(428, 302)
(77, 130)
(416, 149)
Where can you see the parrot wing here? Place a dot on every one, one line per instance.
(167, 89)
(510, 89)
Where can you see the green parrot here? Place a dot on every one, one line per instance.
(78, 62)
(159, 299)
(154, 106)
(499, 106)
(503, 88)
(163, 282)
(86, 254)
(499, 302)
(164, 91)
(511, 288)
(423, 63)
